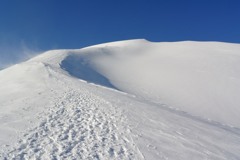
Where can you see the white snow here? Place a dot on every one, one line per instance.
(124, 100)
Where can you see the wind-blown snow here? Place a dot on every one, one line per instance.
(124, 100)
(199, 78)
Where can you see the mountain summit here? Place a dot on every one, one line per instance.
(131, 99)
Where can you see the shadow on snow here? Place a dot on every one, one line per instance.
(80, 68)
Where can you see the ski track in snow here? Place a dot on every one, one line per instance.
(79, 126)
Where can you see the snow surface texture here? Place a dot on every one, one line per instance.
(124, 100)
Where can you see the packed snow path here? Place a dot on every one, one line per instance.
(79, 126)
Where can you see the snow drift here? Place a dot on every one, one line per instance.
(201, 78)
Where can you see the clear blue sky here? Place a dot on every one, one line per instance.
(50, 24)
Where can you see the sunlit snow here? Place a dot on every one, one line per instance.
(130, 99)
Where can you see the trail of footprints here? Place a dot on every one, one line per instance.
(79, 126)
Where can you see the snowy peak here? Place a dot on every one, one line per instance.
(200, 78)
(121, 43)
(123, 100)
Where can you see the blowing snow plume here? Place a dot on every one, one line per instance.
(13, 54)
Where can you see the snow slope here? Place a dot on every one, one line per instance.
(199, 78)
(124, 100)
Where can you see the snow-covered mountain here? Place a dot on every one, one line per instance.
(130, 99)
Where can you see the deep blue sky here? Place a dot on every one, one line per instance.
(32, 25)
